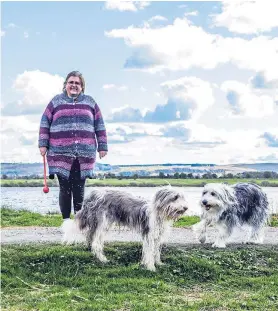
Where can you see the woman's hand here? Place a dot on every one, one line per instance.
(102, 154)
(43, 151)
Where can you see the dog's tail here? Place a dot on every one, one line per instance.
(71, 232)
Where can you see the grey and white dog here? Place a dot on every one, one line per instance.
(105, 207)
(231, 206)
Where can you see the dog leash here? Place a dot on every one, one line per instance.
(45, 188)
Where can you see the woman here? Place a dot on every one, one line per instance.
(71, 131)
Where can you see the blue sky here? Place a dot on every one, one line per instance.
(176, 81)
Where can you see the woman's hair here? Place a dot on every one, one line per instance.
(75, 74)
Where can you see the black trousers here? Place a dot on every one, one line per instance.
(71, 188)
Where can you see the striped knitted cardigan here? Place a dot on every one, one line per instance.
(69, 129)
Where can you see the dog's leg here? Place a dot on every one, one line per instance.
(201, 230)
(257, 235)
(159, 235)
(148, 251)
(223, 233)
(97, 246)
(97, 241)
(157, 248)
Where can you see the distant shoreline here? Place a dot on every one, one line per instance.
(146, 182)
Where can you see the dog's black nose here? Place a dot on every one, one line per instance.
(204, 202)
(185, 208)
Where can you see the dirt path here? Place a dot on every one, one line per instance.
(185, 236)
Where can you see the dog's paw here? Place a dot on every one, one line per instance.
(104, 260)
(160, 263)
(219, 245)
(150, 267)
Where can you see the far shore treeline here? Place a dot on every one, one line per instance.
(264, 179)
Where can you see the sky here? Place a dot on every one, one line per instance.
(177, 82)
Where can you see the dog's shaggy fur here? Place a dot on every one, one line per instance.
(231, 206)
(105, 207)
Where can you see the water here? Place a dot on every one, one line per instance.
(33, 198)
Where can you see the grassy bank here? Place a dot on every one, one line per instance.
(12, 218)
(36, 277)
(138, 182)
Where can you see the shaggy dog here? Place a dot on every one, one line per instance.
(103, 208)
(231, 206)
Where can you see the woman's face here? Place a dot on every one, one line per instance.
(73, 86)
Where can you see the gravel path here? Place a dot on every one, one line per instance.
(184, 236)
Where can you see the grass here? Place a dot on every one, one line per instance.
(186, 221)
(12, 218)
(154, 182)
(54, 277)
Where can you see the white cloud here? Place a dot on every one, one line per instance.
(19, 135)
(185, 98)
(158, 18)
(142, 4)
(230, 146)
(126, 114)
(190, 94)
(126, 5)
(134, 129)
(19, 124)
(37, 89)
(247, 16)
(26, 35)
(114, 87)
(185, 46)
(11, 25)
(2, 33)
(245, 101)
(192, 13)
(108, 86)
(193, 143)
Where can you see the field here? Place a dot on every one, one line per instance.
(50, 277)
(54, 277)
(150, 182)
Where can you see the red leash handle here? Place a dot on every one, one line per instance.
(45, 188)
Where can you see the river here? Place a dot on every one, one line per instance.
(33, 199)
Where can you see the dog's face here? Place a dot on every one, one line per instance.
(215, 197)
(177, 205)
(170, 203)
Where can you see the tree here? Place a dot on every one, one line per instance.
(183, 175)
(267, 175)
(229, 175)
(161, 175)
